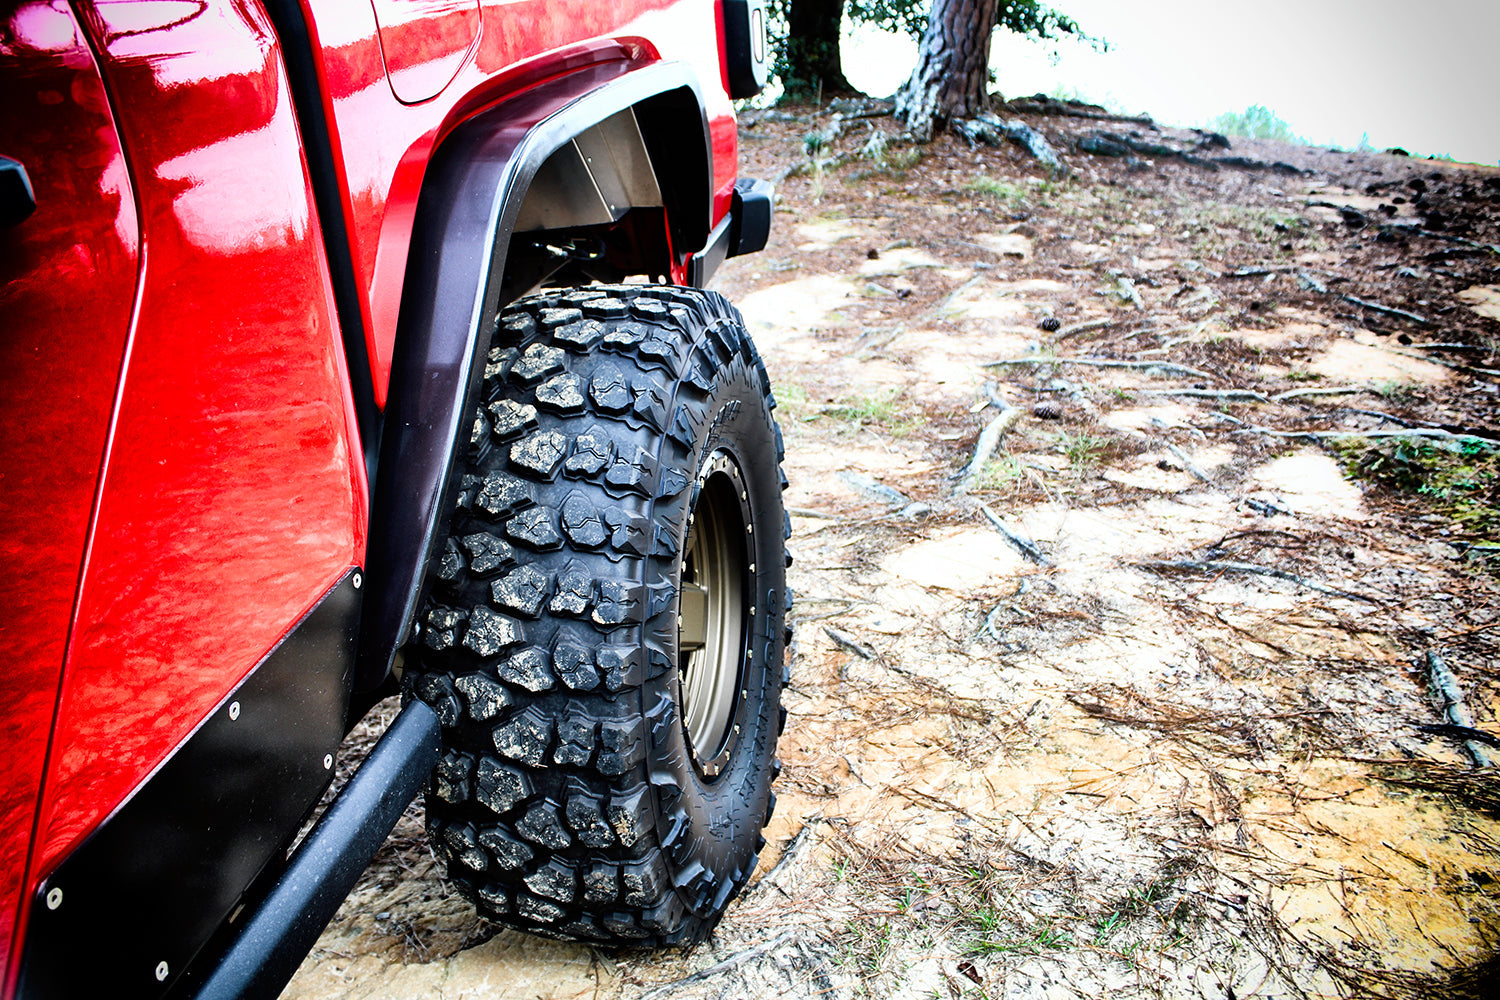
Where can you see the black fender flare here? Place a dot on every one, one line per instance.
(465, 217)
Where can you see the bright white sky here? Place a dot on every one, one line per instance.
(1420, 74)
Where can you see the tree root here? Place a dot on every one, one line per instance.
(1449, 701)
(1165, 366)
(1219, 566)
(984, 448)
(1113, 144)
(990, 130)
(732, 962)
(1041, 104)
(1027, 547)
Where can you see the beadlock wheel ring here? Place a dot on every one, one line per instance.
(713, 614)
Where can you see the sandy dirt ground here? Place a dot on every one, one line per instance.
(1148, 703)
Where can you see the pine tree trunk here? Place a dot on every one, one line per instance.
(951, 80)
(812, 47)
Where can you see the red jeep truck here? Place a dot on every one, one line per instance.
(355, 347)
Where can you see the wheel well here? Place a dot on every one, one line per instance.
(629, 195)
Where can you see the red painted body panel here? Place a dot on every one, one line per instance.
(386, 144)
(424, 42)
(231, 498)
(67, 280)
(180, 475)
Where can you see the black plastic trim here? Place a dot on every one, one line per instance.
(706, 261)
(745, 43)
(465, 217)
(317, 147)
(753, 204)
(273, 940)
(154, 882)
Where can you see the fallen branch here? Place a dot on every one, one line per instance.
(1457, 366)
(1258, 272)
(1165, 366)
(1225, 394)
(874, 489)
(1127, 292)
(1074, 329)
(1388, 310)
(788, 853)
(1433, 433)
(844, 608)
(732, 962)
(1282, 397)
(1187, 464)
(1433, 235)
(1217, 566)
(1308, 281)
(1463, 734)
(821, 515)
(1449, 700)
(1377, 414)
(1353, 215)
(1027, 547)
(847, 642)
(984, 449)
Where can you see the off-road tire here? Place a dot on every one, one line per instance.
(576, 796)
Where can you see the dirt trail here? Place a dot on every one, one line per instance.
(1138, 712)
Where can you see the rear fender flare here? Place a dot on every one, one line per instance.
(465, 217)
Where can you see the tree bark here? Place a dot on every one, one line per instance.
(812, 47)
(951, 80)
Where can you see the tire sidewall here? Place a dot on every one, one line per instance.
(718, 819)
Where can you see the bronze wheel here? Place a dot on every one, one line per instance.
(712, 612)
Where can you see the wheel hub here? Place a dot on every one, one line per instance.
(713, 613)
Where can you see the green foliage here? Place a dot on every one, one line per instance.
(902, 160)
(1084, 451)
(1460, 479)
(1044, 936)
(1214, 231)
(1395, 390)
(791, 56)
(1255, 122)
(882, 409)
(1000, 190)
(1024, 17)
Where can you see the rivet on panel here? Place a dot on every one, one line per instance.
(328, 762)
(358, 580)
(161, 972)
(234, 710)
(54, 898)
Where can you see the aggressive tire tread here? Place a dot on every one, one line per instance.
(566, 802)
